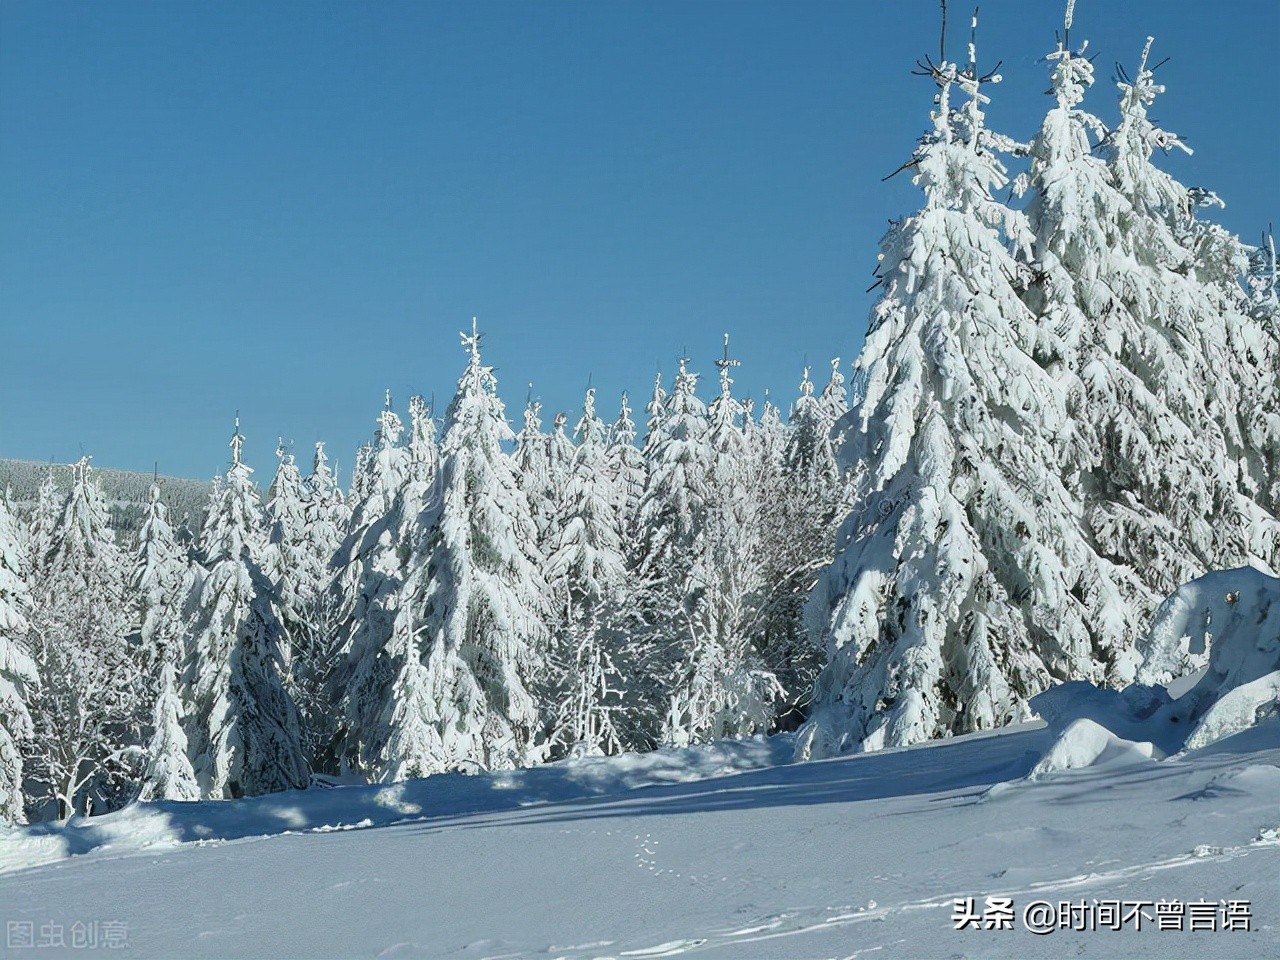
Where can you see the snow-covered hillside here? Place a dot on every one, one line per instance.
(126, 492)
(717, 851)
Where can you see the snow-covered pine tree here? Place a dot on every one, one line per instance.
(361, 478)
(1079, 222)
(584, 565)
(298, 567)
(534, 472)
(168, 774)
(326, 516)
(656, 411)
(1175, 330)
(834, 401)
(626, 468)
(672, 509)
(809, 496)
(384, 470)
(17, 669)
(474, 602)
(560, 465)
(369, 547)
(1263, 285)
(769, 437)
(376, 635)
(721, 688)
(424, 465)
(413, 745)
(670, 518)
(316, 641)
(43, 523)
(243, 730)
(586, 573)
(950, 599)
(1144, 335)
(155, 582)
(89, 706)
(1263, 305)
(282, 560)
(808, 457)
(373, 561)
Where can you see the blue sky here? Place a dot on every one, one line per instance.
(286, 208)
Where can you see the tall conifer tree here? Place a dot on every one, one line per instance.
(17, 670)
(244, 733)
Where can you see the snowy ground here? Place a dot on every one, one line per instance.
(722, 851)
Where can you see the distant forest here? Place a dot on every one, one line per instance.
(126, 492)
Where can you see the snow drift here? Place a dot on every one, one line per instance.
(1225, 624)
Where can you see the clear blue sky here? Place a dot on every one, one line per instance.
(284, 208)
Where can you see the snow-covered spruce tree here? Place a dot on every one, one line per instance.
(155, 583)
(374, 559)
(670, 518)
(412, 745)
(384, 470)
(808, 495)
(626, 468)
(656, 412)
(326, 517)
(243, 731)
(299, 570)
(1263, 305)
(168, 774)
(721, 688)
(361, 477)
(1140, 323)
(951, 599)
(834, 401)
(559, 465)
(672, 509)
(1085, 232)
(584, 566)
(424, 464)
(474, 603)
(813, 491)
(89, 707)
(1197, 353)
(1262, 286)
(533, 459)
(43, 523)
(586, 573)
(769, 438)
(316, 640)
(17, 669)
(282, 560)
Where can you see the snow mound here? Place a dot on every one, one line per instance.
(1208, 611)
(136, 827)
(1236, 613)
(1226, 625)
(1085, 743)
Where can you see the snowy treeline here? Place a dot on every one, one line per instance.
(1070, 409)
(126, 494)
(1066, 406)
(478, 599)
